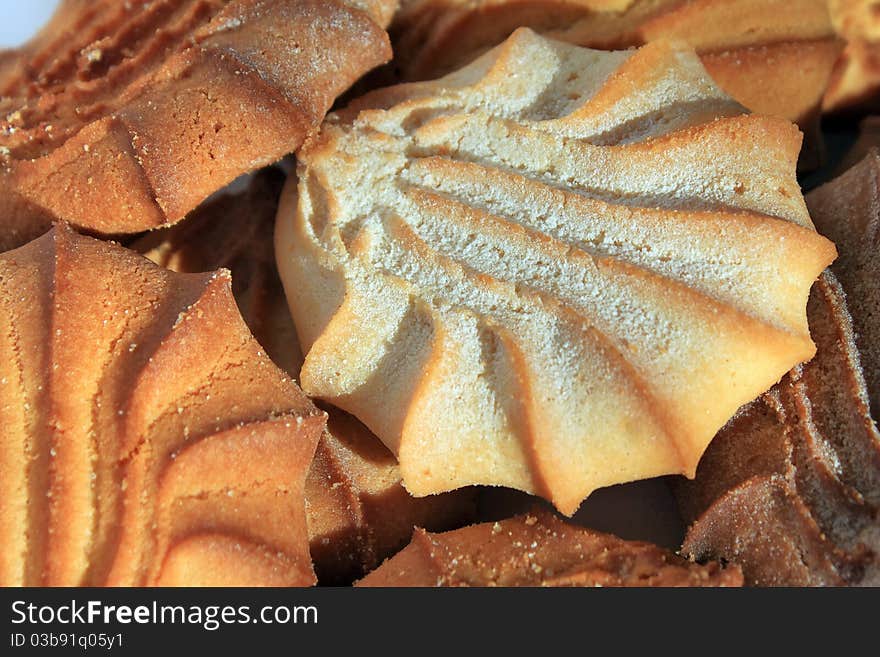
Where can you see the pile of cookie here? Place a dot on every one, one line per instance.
(287, 285)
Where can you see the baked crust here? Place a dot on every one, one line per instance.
(234, 231)
(121, 117)
(855, 84)
(147, 439)
(538, 549)
(789, 489)
(358, 510)
(773, 56)
(847, 210)
(533, 275)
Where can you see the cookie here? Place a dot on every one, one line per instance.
(773, 56)
(122, 116)
(855, 84)
(554, 270)
(358, 511)
(234, 231)
(847, 210)
(147, 438)
(538, 549)
(790, 488)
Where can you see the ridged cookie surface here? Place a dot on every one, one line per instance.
(234, 231)
(790, 488)
(773, 56)
(538, 549)
(357, 508)
(123, 116)
(554, 270)
(847, 210)
(359, 513)
(146, 438)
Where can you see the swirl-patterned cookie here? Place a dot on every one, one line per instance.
(555, 269)
(847, 210)
(773, 56)
(147, 438)
(790, 488)
(122, 116)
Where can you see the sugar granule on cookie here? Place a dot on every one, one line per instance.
(538, 549)
(147, 439)
(120, 117)
(554, 270)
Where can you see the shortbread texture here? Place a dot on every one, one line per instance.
(554, 270)
(146, 437)
(773, 56)
(357, 509)
(120, 117)
(790, 488)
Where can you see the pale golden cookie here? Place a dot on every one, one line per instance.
(773, 56)
(358, 510)
(147, 438)
(554, 270)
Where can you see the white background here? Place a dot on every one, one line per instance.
(19, 19)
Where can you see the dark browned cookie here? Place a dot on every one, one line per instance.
(358, 510)
(538, 549)
(123, 116)
(869, 137)
(847, 211)
(790, 488)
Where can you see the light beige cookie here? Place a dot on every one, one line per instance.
(556, 269)
(358, 510)
(773, 56)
